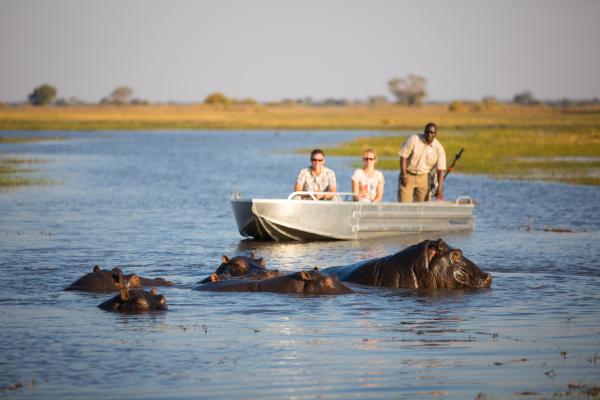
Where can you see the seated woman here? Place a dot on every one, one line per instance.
(367, 183)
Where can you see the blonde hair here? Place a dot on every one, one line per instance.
(369, 150)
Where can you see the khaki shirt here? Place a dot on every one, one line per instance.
(422, 157)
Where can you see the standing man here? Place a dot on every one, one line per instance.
(316, 178)
(418, 155)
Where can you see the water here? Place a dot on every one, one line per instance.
(157, 204)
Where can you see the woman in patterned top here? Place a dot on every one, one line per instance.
(367, 183)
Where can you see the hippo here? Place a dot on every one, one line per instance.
(241, 267)
(100, 280)
(426, 265)
(135, 301)
(311, 282)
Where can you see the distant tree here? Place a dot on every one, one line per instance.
(410, 90)
(43, 94)
(216, 98)
(525, 98)
(377, 100)
(122, 94)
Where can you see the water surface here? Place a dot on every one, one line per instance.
(157, 204)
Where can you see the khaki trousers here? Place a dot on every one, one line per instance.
(416, 188)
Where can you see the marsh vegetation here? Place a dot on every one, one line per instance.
(502, 140)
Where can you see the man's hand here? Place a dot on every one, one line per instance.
(403, 180)
(440, 194)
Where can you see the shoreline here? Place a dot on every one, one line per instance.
(510, 142)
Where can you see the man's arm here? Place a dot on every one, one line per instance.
(440, 190)
(403, 171)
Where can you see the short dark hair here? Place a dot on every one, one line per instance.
(315, 152)
(431, 125)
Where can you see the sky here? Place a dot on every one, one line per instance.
(271, 50)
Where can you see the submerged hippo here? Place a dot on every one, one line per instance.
(135, 301)
(427, 265)
(100, 280)
(241, 267)
(303, 282)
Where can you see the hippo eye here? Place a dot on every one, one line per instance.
(141, 303)
(456, 255)
(161, 300)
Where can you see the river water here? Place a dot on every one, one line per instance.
(156, 204)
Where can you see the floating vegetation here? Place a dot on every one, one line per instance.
(13, 169)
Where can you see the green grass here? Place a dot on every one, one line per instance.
(28, 139)
(523, 153)
(15, 181)
(11, 170)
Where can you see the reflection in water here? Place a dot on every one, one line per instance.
(150, 203)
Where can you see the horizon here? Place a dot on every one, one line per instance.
(271, 50)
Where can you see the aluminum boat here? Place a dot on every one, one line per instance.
(302, 217)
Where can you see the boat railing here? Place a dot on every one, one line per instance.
(464, 200)
(335, 196)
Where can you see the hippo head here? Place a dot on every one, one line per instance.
(240, 265)
(135, 301)
(451, 269)
(315, 282)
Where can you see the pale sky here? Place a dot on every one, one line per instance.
(275, 49)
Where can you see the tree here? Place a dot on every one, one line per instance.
(122, 94)
(217, 98)
(410, 90)
(43, 94)
(525, 98)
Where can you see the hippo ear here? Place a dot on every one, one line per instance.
(261, 262)
(133, 281)
(440, 245)
(116, 277)
(301, 276)
(253, 255)
(153, 291)
(117, 270)
(225, 259)
(124, 294)
(214, 277)
(456, 255)
(96, 268)
(315, 268)
(305, 276)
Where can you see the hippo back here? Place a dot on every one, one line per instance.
(391, 271)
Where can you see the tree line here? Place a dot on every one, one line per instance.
(410, 90)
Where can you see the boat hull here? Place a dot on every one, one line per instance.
(300, 220)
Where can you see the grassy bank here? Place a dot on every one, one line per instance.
(563, 154)
(507, 141)
(384, 117)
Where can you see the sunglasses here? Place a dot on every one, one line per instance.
(431, 132)
(316, 159)
(368, 158)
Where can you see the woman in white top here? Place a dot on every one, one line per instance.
(367, 183)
